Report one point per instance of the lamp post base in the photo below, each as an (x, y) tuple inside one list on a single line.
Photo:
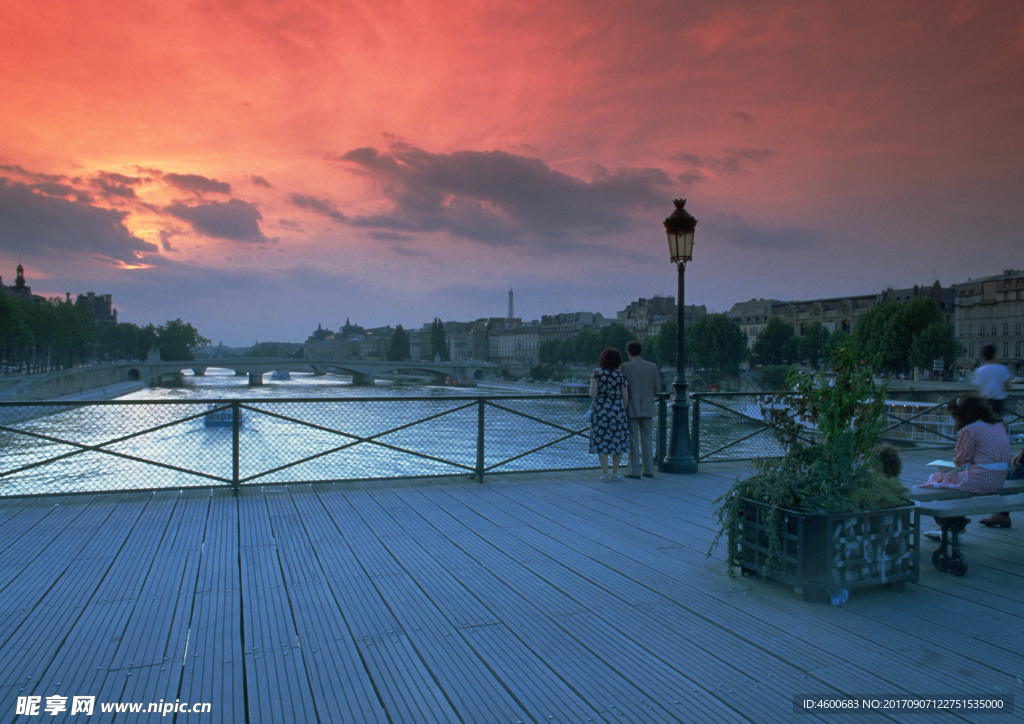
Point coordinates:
[(680, 457)]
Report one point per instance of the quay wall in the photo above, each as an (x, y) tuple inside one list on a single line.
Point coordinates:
[(95, 382)]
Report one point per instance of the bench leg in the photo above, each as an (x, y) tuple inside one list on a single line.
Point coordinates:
[(948, 556)]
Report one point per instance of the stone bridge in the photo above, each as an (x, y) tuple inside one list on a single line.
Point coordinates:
[(364, 372)]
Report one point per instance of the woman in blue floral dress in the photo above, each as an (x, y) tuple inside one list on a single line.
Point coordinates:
[(609, 428)]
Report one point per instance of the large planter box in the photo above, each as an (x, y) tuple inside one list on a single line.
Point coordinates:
[(826, 555)]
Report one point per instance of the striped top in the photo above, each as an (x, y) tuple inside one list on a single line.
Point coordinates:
[(979, 442)]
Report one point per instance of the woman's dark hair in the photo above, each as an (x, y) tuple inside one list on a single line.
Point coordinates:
[(610, 359), (970, 408), (888, 461)]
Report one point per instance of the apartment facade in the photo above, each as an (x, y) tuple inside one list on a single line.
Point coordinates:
[(990, 310)]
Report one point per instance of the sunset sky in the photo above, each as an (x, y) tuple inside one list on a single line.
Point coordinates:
[(259, 167)]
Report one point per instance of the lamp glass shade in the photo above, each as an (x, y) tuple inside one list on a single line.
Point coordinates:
[(680, 228), (680, 246)]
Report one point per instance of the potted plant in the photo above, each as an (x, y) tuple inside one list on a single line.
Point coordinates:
[(825, 517)]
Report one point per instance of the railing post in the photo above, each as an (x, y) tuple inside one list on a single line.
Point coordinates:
[(236, 426), (659, 454), (696, 428), (480, 441)]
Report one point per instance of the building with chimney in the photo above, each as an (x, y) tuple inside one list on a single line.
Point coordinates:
[(990, 310)]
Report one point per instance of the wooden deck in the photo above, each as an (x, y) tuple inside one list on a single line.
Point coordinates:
[(542, 597)]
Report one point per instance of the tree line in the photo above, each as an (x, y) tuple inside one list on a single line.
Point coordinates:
[(57, 335), (893, 337)]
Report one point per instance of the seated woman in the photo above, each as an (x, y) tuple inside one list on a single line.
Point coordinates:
[(982, 449)]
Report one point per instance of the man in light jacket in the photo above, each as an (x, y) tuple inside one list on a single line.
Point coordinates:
[(644, 386)]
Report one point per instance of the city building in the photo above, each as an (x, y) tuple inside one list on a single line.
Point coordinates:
[(990, 310), (349, 342), (568, 324), (20, 290), (100, 308), (468, 340), (839, 313), (644, 317), (515, 345), (752, 317), (945, 297)]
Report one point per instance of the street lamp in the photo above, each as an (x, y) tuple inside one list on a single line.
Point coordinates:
[(680, 228)]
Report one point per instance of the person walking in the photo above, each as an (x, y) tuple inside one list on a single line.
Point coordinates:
[(644, 381), (609, 429), (992, 380)]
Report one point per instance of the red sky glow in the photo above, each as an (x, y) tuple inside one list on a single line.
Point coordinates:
[(259, 167)]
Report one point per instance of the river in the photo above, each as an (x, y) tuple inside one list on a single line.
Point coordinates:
[(308, 428)]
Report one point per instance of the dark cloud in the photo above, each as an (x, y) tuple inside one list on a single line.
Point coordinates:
[(260, 181), (498, 198), (111, 188), (691, 177), (405, 251), (235, 220), (318, 206), (18, 170), (738, 232), (119, 178), (196, 184), (55, 226), (735, 161), (61, 191)]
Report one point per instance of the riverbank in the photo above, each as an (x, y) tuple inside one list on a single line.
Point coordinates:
[(93, 382)]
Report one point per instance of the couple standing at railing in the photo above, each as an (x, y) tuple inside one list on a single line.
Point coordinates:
[(623, 411)]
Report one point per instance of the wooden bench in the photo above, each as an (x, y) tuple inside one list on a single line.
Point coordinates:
[(950, 508)]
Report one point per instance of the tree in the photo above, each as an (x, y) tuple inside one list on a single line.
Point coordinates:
[(870, 328), (550, 352), (16, 338), (665, 344), (776, 344), (887, 332), (716, 343), (438, 341), (399, 347), (936, 341), (814, 344), (835, 340), (586, 347), (178, 340), (617, 336), (904, 326)]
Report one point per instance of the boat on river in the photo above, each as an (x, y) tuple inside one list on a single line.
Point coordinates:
[(280, 375), (220, 416)]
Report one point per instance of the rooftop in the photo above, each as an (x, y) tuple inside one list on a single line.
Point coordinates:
[(533, 597)]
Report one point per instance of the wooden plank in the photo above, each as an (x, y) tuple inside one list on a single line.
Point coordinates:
[(47, 601), (277, 686), (212, 667), (102, 620), (342, 688), (156, 635), (529, 597)]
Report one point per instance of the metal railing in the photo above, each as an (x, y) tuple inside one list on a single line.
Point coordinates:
[(58, 448), (731, 425)]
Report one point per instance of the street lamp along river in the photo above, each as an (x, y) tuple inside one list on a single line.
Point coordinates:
[(680, 228)]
